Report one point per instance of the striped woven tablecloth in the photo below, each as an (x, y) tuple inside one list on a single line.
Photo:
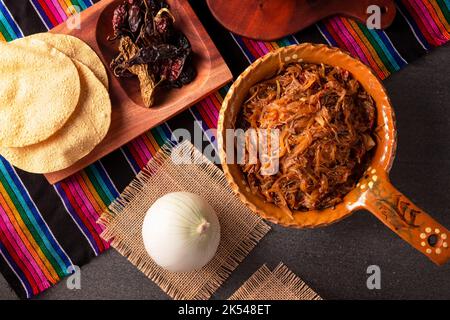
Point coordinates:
[(45, 230)]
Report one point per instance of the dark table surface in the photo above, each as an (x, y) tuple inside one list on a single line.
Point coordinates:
[(334, 260)]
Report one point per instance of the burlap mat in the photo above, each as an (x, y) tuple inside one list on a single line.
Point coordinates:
[(241, 230), (280, 284)]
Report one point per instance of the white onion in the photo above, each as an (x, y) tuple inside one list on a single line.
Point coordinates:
[(181, 232)]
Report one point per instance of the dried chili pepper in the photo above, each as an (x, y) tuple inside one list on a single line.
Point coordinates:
[(147, 82), (119, 17), (150, 47), (134, 17), (163, 21)]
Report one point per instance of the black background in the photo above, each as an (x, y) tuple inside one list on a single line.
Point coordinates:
[(334, 260)]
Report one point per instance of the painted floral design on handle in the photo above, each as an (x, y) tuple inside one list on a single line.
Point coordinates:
[(402, 216)]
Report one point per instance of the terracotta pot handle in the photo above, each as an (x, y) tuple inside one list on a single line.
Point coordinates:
[(407, 220)]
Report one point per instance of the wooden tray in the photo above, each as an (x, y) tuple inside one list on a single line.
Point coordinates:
[(273, 19), (129, 118)]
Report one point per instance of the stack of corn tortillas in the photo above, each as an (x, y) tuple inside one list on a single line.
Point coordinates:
[(54, 102)]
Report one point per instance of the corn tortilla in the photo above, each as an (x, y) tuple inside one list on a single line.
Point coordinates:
[(86, 128), (75, 49), (39, 91)]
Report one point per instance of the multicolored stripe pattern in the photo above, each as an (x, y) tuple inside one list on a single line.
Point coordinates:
[(429, 20), (85, 196), (54, 12), (44, 229), (373, 47), (27, 243), (9, 29), (139, 151)]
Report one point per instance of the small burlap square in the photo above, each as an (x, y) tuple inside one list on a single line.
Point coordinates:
[(280, 284), (241, 230)]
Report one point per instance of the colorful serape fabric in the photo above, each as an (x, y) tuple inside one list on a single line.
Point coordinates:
[(45, 230)]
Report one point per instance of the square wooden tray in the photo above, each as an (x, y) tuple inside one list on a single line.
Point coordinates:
[(129, 118)]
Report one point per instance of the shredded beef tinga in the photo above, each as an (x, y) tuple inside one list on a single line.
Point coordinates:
[(326, 121)]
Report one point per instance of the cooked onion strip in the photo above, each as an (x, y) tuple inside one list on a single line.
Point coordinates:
[(325, 118)]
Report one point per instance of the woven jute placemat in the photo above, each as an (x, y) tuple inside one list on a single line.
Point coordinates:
[(183, 168), (279, 284)]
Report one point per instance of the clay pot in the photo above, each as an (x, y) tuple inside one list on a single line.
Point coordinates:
[(374, 192)]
